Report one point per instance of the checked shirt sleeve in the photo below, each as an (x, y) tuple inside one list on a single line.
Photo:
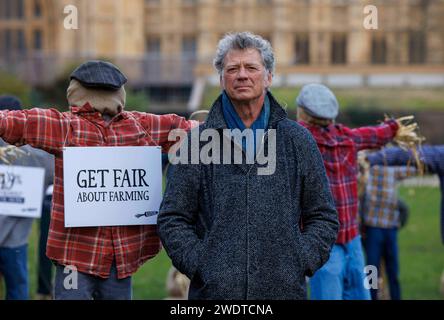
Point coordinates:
[(374, 136), (160, 126), (393, 156), (41, 128)]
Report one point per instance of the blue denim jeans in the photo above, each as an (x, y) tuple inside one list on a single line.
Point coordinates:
[(14, 267), (45, 265), (89, 287), (342, 276), (383, 243)]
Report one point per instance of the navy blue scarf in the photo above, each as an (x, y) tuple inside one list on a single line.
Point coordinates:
[(235, 122)]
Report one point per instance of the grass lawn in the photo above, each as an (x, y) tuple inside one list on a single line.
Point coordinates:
[(421, 250), (421, 253)]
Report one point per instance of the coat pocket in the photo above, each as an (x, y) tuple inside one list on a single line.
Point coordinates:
[(302, 254)]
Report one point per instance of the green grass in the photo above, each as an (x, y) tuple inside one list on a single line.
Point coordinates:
[(149, 281), (405, 99), (421, 253), (421, 250)]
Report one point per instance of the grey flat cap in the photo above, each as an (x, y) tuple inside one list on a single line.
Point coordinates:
[(318, 101), (99, 75)]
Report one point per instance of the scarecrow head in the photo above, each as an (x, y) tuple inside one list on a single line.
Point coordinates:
[(99, 83)]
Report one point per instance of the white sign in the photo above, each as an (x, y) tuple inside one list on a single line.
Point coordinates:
[(21, 191), (111, 186)]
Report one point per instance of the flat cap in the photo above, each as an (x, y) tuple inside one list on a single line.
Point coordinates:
[(99, 75), (8, 102), (318, 101)]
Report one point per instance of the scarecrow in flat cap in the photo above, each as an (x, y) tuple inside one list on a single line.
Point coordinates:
[(342, 277), (105, 257)]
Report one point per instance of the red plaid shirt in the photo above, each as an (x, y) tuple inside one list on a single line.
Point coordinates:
[(92, 250), (339, 146)]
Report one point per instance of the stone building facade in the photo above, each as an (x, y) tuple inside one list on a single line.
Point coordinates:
[(171, 43)]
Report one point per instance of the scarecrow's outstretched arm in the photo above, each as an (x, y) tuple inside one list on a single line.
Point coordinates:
[(41, 128)]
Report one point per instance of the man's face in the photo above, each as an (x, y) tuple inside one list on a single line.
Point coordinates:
[(244, 76)]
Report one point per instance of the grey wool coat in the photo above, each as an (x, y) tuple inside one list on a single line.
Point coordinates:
[(237, 234)]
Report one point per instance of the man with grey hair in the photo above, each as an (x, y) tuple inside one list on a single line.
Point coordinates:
[(235, 231)]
